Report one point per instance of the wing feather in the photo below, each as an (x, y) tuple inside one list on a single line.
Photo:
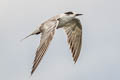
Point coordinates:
[(73, 30), (46, 38)]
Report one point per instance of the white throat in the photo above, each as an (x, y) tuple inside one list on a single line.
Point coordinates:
[(63, 20)]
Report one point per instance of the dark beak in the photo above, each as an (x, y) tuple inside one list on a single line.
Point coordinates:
[(79, 14)]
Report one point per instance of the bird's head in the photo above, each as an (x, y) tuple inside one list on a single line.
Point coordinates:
[(71, 14), (66, 17)]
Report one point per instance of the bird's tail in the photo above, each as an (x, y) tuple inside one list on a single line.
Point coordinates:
[(37, 31)]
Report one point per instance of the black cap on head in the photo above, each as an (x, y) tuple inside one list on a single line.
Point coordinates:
[(69, 13)]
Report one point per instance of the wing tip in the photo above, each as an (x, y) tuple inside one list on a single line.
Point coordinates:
[(75, 61), (32, 71)]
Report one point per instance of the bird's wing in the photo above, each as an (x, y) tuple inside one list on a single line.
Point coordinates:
[(46, 38), (73, 30)]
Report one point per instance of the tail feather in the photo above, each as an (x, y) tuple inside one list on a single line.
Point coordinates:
[(37, 31), (26, 37)]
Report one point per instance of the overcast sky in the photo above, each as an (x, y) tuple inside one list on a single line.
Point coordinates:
[(100, 55)]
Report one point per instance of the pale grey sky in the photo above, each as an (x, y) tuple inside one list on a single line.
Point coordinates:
[(100, 55)]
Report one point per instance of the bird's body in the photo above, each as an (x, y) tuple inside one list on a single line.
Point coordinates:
[(72, 27)]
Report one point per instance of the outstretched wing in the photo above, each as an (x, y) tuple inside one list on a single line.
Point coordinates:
[(73, 30), (46, 37)]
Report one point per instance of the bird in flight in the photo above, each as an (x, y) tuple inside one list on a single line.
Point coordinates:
[(72, 27)]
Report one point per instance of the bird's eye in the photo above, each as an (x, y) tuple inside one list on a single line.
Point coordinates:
[(58, 19), (69, 13)]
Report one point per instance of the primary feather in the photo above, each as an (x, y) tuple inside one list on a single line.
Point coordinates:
[(73, 30)]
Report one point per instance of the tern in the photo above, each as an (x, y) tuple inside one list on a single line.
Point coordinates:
[(72, 27)]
